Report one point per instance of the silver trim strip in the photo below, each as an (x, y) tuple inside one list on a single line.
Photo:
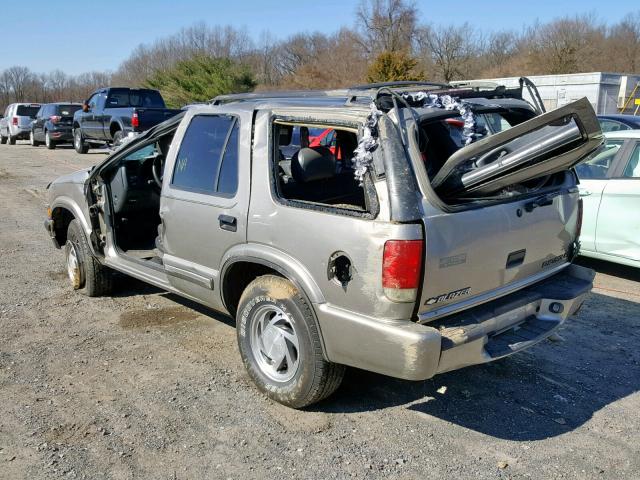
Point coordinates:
[(488, 296)]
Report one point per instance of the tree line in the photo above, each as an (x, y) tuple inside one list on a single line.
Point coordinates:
[(387, 41)]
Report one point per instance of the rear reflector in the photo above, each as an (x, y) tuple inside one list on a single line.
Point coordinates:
[(401, 268)]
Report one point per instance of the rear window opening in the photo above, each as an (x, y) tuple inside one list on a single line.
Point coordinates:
[(67, 110), (439, 139), (312, 169), (458, 180), (27, 110), (134, 98)]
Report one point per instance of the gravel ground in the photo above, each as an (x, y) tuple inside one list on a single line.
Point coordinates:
[(146, 385)]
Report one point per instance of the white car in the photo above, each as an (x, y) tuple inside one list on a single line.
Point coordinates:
[(610, 190)]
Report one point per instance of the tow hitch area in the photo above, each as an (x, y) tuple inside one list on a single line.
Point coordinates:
[(514, 322)]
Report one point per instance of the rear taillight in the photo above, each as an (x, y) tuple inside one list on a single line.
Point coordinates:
[(14, 120), (579, 219), (55, 118), (135, 121), (401, 269)]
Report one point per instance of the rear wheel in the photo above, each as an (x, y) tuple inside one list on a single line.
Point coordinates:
[(78, 141), (280, 345), (118, 136), (51, 145), (12, 140), (85, 272)]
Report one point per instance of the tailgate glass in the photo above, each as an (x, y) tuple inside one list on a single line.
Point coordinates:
[(505, 157)]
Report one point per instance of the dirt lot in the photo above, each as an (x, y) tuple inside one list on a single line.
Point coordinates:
[(146, 385)]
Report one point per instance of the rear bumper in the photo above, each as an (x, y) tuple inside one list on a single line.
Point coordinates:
[(20, 133), (408, 350), (61, 134)]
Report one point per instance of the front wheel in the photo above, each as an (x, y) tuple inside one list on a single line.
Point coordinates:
[(85, 272), (280, 344), (32, 139), (3, 139), (50, 144), (78, 142)]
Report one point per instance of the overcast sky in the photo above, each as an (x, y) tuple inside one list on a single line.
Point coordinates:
[(82, 35)]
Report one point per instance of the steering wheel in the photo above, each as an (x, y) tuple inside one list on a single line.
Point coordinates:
[(157, 170)]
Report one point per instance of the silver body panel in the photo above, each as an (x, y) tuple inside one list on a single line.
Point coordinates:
[(22, 129), (359, 325)]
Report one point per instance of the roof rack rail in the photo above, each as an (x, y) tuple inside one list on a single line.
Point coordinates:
[(267, 95), (417, 83), (369, 91), (476, 84)]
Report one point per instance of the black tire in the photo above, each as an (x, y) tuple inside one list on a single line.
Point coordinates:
[(78, 141), (90, 277), (118, 137), (314, 378), (51, 144), (12, 140), (32, 139), (3, 139)]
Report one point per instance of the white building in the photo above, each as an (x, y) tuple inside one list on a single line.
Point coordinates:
[(607, 92)]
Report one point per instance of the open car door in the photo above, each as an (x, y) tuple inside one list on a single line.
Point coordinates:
[(542, 146)]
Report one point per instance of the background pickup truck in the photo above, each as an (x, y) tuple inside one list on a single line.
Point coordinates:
[(111, 113)]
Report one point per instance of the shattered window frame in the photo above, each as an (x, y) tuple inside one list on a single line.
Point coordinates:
[(370, 194)]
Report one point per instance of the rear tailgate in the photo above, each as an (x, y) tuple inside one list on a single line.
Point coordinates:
[(150, 117), (476, 255)]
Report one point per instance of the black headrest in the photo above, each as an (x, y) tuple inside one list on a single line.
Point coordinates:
[(285, 133), (311, 164)]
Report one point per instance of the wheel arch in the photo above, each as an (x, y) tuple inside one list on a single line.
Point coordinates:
[(240, 270), (115, 125), (63, 210)]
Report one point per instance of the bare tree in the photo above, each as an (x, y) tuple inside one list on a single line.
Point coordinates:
[(386, 25), (19, 78), (566, 45), (451, 49), (623, 49)]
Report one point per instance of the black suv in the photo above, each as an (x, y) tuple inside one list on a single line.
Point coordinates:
[(53, 124)]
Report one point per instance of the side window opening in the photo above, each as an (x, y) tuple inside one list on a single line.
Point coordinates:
[(318, 170), (632, 170), (597, 165)]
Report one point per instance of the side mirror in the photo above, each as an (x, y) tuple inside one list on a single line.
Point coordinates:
[(85, 107)]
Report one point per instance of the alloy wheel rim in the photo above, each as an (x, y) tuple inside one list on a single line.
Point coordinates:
[(76, 137), (274, 343), (32, 139), (73, 265), (47, 140)]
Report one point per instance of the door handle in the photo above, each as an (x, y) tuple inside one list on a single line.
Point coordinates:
[(584, 193), (227, 222)]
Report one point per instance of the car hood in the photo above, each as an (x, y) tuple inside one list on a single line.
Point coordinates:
[(78, 177)]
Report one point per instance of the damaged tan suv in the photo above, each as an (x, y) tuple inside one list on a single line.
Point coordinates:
[(433, 229)]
